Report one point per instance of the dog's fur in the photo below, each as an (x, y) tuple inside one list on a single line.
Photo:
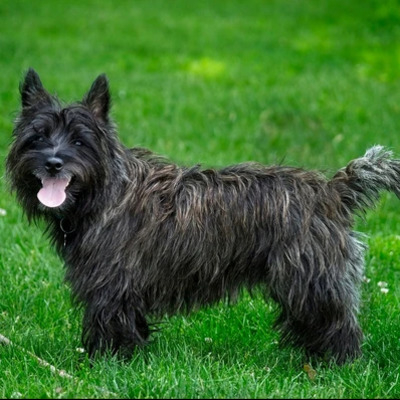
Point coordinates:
[(141, 235)]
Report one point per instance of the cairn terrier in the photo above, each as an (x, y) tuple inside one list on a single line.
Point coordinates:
[(142, 236)]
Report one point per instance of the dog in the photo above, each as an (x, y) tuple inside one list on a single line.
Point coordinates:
[(141, 236)]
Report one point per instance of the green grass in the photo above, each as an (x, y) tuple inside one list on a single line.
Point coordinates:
[(309, 83)]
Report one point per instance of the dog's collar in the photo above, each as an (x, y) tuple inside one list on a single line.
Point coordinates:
[(67, 227)]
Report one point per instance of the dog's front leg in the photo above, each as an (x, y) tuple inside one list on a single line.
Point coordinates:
[(114, 322)]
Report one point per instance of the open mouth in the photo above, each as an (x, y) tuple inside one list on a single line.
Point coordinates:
[(52, 194)]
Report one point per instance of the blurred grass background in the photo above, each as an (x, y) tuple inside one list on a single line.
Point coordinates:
[(308, 83)]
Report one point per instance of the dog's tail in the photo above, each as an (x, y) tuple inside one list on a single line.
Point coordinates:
[(360, 183)]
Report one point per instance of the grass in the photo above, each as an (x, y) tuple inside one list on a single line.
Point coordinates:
[(309, 83)]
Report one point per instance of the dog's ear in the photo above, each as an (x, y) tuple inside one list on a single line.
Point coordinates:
[(98, 98), (32, 91)]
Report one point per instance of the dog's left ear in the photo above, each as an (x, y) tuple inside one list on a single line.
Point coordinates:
[(98, 98)]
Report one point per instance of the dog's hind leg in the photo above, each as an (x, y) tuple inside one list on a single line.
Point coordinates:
[(326, 327), (320, 307)]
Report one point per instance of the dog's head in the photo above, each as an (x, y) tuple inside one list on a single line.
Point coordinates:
[(60, 155)]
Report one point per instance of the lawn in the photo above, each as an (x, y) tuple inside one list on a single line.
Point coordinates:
[(306, 83)]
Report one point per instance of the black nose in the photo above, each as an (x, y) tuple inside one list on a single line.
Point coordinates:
[(54, 165)]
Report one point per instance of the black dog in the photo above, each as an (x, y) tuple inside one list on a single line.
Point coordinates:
[(140, 235)]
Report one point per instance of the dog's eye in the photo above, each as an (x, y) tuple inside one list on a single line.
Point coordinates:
[(37, 138), (78, 143)]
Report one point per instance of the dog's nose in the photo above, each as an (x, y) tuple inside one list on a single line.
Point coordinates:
[(54, 165)]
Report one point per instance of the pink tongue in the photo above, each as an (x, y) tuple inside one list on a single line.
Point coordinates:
[(52, 194)]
